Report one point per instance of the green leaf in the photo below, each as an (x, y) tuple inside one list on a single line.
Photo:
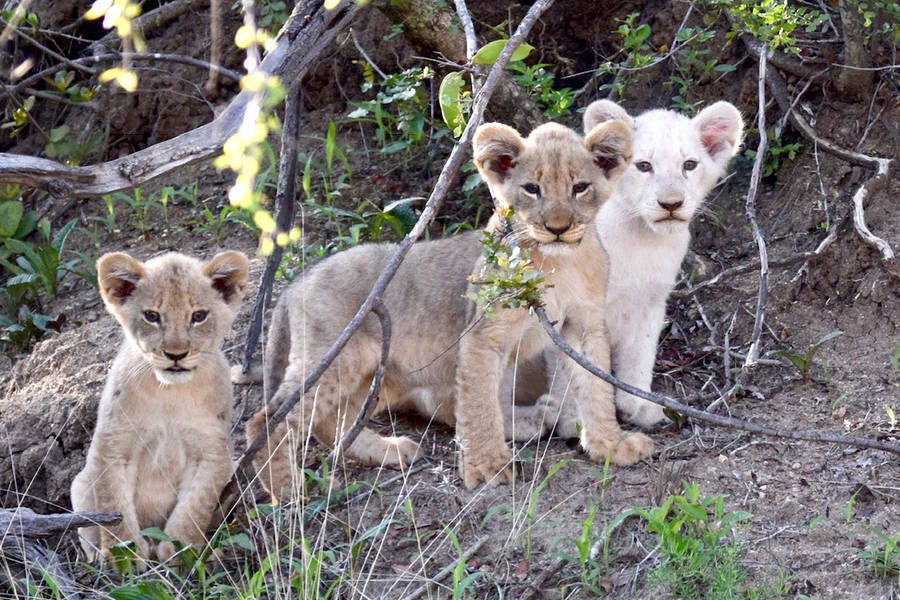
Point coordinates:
[(329, 145), (155, 533), (450, 99), (487, 54), (57, 134), (239, 540), (10, 216), (59, 239)]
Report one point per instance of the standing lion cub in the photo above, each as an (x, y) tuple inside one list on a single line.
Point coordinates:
[(161, 452), (446, 359)]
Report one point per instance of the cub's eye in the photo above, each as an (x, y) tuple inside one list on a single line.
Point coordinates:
[(198, 316), (151, 316), (689, 165), (643, 166), (532, 188), (579, 188)]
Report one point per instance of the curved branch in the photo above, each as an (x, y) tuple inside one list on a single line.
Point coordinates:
[(308, 31), (700, 415)]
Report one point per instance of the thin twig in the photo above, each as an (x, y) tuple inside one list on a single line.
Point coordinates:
[(760, 316), (465, 556), (116, 56), (465, 18), (535, 587), (366, 56), (700, 415), (741, 269), (284, 220), (372, 396), (448, 173)]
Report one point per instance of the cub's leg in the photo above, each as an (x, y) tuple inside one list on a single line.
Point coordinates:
[(198, 495), (523, 416), (634, 357), (559, 405), (102, 487), (479, 419), (601, 435), (327, 410)]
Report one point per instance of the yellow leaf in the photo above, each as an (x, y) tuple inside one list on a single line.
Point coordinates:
[(330, 4), (294, 234), (282, 239)]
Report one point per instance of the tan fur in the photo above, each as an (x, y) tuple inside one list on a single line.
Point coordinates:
[(445, 359), (161, 452)]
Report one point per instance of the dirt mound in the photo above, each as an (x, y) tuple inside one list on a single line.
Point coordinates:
[(49, 409)]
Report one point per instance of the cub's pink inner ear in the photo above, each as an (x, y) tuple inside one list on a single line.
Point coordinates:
[(503, 164), (121, 289), (715, 138)]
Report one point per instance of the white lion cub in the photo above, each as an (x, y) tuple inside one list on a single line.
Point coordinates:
[(161, 452), (645, 228)]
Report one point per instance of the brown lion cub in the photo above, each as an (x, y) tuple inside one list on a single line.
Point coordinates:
[(445, 359), (161, 451)]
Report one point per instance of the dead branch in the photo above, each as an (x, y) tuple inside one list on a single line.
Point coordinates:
[(24, 522), (700, 415), (374, 388), (23, 84), (436, 199), (751, 266), (859, 216), (465, 556), (284, 200), (24, 561), (750, 208), (309, 30)]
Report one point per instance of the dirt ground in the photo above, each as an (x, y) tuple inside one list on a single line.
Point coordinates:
[(815, 506)]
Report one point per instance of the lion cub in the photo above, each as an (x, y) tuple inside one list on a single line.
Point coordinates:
[(161, 451), (446, 359)]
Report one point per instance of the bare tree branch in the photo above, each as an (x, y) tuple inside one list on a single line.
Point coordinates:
[(284, 220), (24, 522), (753, 352), (305, 35), (700, 415)]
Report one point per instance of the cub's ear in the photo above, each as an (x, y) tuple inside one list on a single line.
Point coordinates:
[(601, 111), (610, 143), (496, 147), (720, 127), (117, 276), (229, 272)]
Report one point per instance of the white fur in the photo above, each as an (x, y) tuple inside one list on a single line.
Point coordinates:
[(646, 243)]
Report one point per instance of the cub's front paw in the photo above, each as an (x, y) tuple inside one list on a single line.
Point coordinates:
[(626, 450), (492, 466), (140, 548), (401, 451)]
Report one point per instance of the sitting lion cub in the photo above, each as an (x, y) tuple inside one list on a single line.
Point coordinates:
[(161, 452), (554, 181), (645, 230)]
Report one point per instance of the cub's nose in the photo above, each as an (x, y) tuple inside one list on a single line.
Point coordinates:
[(175, 357), (671, 206), (557, 230)]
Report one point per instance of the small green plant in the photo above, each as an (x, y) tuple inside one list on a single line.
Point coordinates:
[(398, 111), (461, 580), (778, 152), (699, 558), (538, 82), (141, 208), (63, 144), (507, 277), (771, 21), (804, 362), (882, 554)]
